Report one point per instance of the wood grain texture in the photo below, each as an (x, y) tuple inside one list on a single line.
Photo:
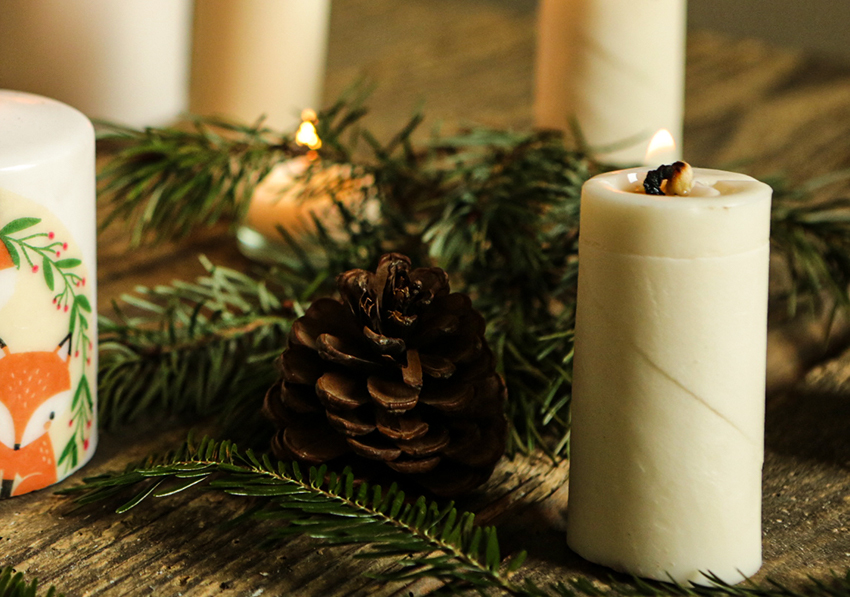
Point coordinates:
[(472, 61)]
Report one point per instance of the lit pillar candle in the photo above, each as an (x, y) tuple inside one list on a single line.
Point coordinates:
[(669, 377), (617, 67), (48, 324), (125, 61), (259, 57), (299, 191)]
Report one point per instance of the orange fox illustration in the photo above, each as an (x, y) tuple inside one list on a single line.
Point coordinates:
[(34, 388)]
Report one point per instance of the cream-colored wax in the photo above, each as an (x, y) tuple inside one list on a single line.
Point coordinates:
[(669, 377), (125, 61), (292, 198), (617, 67), (259, 57)]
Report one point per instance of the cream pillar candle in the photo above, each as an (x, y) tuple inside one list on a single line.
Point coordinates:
[(259, 57), (669, 377), (48, 324), (120, 60), (617, 67), (289, 198)]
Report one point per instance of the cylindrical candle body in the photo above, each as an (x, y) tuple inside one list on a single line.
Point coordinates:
[(669, 378), (124, 61), (48, 323), (617, 67), (259, 57)]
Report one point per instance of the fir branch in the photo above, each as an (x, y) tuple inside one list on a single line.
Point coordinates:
[(193, 348), (439, 541), (166, 182), (509, 227), (13, 584), (813, 239), (436, 540)]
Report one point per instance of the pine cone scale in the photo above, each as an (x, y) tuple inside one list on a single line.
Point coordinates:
[(400, 428), (352, 422), (336, 390), (383, 451), (411, 373), (336, 350), (394, 396)]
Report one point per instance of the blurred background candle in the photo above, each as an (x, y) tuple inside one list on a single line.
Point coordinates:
[(259, 57), (125, 61), (669, 377), (617, 67), (299, 191), (48, 327)]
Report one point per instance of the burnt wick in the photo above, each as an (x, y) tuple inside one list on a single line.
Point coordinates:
[(679, 177)]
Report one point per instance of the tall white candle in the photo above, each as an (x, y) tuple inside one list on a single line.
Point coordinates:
[(259, 57), (669, 377), (125, 61), (616, 66), (48, 324)]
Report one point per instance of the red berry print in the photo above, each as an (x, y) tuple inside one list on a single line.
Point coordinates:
[(71, 423), (50, 235), (66, 308), (35, 269), (58, 253), (76, 354), (86, 444), (64, 246), (88, 425)]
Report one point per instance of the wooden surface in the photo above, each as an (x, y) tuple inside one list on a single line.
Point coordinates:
[(472, 61)]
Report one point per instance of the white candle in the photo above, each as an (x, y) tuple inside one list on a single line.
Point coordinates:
[(259, 57), (669, 377), (290, 199), (125, 61), (617, 67), (48, 324)]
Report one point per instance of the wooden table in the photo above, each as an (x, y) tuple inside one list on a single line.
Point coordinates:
[(473, 61)]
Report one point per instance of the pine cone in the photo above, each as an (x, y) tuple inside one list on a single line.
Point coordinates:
[(398, 372)]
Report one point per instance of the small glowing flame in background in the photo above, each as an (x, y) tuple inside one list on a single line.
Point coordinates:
[(307, 134), (660, 144)]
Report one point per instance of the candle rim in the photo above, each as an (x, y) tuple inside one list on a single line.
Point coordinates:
[(37, 129), (736, 189)]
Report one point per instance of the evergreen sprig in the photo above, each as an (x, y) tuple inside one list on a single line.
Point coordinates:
[(813, 239), (428, 539), (440, 541), (194, 349), (169, 181), (14, 584)]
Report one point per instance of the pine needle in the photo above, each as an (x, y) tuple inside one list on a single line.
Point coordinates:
[(14, 584)]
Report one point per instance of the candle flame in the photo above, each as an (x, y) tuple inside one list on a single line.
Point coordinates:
[(307, 134), (661, 142)]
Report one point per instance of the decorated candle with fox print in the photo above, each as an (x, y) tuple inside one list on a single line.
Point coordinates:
[(48, 323)]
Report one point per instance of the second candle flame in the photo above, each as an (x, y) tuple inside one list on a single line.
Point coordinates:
[(662, 142), (307, 134)]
